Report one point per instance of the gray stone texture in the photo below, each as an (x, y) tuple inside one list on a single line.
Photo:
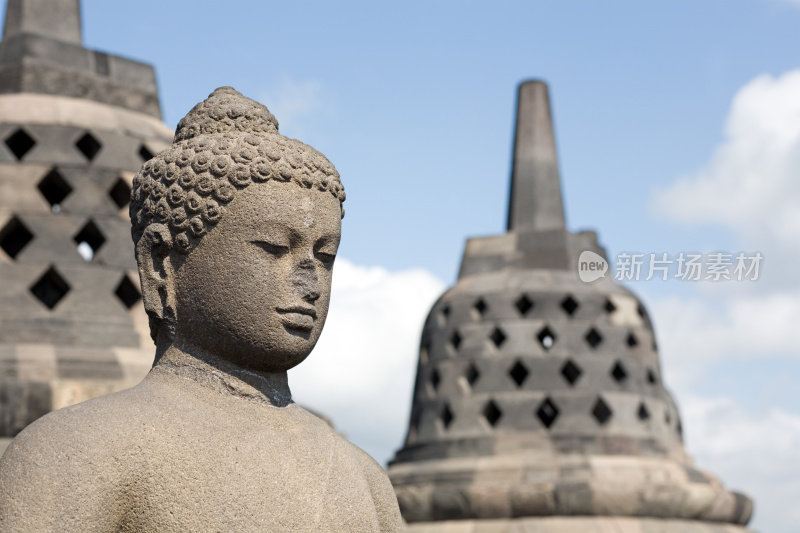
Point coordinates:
[(236, 229), (535, 186), (72, 326), (59, 19), (540, 395), (574, 525), (41, 52)]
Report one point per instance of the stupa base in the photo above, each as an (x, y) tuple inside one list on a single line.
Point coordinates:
[(576, 524)]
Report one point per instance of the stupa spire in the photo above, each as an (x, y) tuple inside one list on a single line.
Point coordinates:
[(535, 202), (56, 19)]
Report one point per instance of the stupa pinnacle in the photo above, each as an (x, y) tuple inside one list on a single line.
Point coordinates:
[(74, 126), (539, 403), (535, 202)]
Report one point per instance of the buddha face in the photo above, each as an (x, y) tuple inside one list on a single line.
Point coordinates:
[(255, 290)]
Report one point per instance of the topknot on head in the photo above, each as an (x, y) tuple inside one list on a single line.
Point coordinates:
[(223, 145), (226, 110)]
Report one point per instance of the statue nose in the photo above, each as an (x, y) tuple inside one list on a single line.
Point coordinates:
[(306, 281)]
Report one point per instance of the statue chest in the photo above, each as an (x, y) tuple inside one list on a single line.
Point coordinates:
[(282, 477)]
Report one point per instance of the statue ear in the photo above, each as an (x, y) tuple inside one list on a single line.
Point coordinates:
[(157, 274)]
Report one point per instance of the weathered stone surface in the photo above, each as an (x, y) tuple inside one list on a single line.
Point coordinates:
[(535, 185), (575, 524), (540, 395), (60, 19), (236, 230), (41, 52)]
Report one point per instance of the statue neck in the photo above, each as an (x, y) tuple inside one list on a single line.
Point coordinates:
[(222, 376)]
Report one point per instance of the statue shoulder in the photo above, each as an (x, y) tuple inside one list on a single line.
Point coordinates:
[(96, 426), (383, 496), (64, 469)]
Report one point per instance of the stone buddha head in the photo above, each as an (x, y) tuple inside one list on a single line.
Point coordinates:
[(236, 229)]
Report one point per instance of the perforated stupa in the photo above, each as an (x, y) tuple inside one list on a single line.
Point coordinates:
[(74, 126), (539, 403)]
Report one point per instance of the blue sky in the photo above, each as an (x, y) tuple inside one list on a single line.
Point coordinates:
[(419, 99), (413, 102)]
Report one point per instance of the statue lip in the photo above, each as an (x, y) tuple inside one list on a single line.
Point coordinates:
[(300, 310), (298, 317)]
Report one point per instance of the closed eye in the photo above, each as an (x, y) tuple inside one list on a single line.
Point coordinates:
[(326, 258), (277, 250)]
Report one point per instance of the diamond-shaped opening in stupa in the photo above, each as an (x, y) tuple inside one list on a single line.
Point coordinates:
[(50, 288), (618, 372), (88, 145), (546, 338), (55, 189), (631, 340), (523, 304), (601, 411), (120, 193), (127, 292), (593, 338), (642, 413), (497, 337), (14, 237), (547, 412), (472, 374), (436, 378), (89, 240), (455, 340), (571, 372), (569, 305), (145, 153), (518, 373), (20, 143), (481, 307), (492, 413), (446, 416)]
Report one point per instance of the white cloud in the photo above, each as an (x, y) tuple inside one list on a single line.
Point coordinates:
[(291, 101), (750, 183), (759, 453), (698, 332), (750, 186), (361, 373)]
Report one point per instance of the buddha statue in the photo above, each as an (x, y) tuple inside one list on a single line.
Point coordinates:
[(236, 229)]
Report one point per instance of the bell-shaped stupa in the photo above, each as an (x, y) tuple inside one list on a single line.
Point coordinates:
[(539, 403), (75, 124)]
